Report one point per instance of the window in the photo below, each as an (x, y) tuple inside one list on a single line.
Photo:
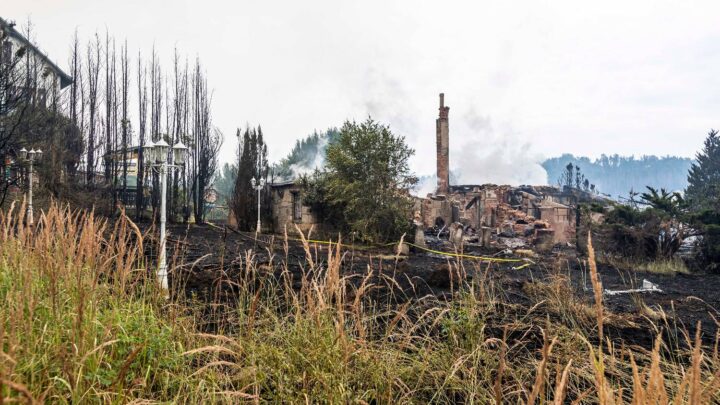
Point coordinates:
[(297, 206), (42, 97), (7, 52), (562, 215)]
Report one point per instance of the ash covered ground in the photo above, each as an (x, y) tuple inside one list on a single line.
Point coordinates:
[(208, 259)]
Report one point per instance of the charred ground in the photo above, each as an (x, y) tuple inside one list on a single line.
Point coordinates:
[(210, 260)]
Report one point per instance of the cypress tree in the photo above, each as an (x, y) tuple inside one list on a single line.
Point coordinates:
[(702, 196), (704, 177), (252, 163)]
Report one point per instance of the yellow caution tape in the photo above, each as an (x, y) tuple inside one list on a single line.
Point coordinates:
[(460, 255), (464, 256), (438, 252)]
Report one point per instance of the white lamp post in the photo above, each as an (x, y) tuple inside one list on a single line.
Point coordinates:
[(258, 186), (30, 157), (158, 152)]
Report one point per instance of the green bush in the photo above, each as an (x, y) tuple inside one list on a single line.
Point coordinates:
[(364, 187)]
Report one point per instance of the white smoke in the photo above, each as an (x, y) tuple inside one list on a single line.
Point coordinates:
[(480, 154), (425, 185), (311, 161)]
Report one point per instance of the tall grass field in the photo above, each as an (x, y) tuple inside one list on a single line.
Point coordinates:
[(83, 320)]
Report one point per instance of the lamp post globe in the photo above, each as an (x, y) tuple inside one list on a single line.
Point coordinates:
[(149, 151), (179, 153), (161, 151)]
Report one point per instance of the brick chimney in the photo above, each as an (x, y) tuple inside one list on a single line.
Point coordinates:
[(443, 148)]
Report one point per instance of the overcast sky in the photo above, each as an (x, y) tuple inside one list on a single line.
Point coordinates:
[(524, 79)]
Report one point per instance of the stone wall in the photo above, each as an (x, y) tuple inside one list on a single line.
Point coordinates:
[(283, 211), (561, 219)]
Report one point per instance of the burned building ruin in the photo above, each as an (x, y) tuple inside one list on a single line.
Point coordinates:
[(539, 216)]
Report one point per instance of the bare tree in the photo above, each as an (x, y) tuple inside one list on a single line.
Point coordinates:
[(76, 102), (125, 122), (156, 97), (177, 127), (75, 63), (108, 106), (114, 131), (206, 143), (14, 106), (142, 120), (93, 69)]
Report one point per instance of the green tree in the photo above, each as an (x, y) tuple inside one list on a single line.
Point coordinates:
[(252, 163), (702, 196), (224, 183), (663, 200), (651, 233), (703, 188), (366, 182)]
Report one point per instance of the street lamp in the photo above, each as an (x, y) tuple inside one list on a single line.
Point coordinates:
[(258, 186), (30, 157), (158, 152)]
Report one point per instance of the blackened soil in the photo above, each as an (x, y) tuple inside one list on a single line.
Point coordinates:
[(211, 260), (686, 302)]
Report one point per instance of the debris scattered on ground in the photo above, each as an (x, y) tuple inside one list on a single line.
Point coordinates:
[(513, 243), (647, 286)]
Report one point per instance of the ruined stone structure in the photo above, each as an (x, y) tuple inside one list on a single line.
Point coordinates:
[(288, 209), (542, 215), (500, 212), (442, 130), (490, 215)]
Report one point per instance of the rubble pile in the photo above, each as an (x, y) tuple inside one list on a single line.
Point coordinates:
[(499, 216)]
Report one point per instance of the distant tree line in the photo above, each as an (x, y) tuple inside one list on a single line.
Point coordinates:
[(653, 225), (617, 175)]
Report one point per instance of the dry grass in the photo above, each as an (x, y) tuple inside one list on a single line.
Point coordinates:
[(667, 267), (83, 321)]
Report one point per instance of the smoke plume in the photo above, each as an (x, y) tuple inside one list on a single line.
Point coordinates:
[(481, 154)]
